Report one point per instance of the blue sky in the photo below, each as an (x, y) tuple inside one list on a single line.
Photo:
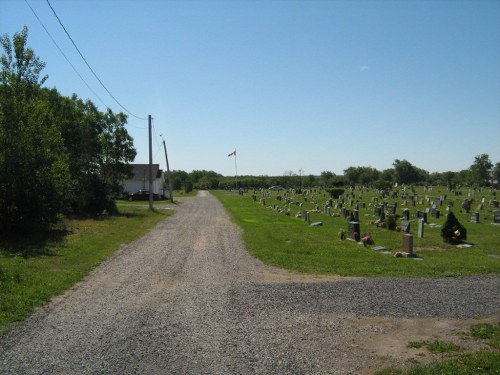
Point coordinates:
[(291, 85)]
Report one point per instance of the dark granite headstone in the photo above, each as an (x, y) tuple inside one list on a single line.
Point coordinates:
[(353, 230)]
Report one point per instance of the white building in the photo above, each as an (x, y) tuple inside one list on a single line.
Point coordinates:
[(140, 179)]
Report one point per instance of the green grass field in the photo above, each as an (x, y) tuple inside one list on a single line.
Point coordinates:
[(33, 270), (288, 242)]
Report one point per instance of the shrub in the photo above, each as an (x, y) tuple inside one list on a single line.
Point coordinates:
[(453, 232)]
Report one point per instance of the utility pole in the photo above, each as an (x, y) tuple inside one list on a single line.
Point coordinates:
[(150, 165), (170, 185)]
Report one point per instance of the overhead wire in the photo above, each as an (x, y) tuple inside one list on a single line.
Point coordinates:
[(64, 55), (88, 65)]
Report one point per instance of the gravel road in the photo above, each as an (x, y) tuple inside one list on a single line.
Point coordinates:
[(187, 299)]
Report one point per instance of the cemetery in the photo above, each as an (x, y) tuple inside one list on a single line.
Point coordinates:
[(407, 231)]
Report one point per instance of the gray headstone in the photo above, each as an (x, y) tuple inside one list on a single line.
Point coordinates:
[(405, 226), (474, 218), (421, 228), (316, 224), (408, 243)]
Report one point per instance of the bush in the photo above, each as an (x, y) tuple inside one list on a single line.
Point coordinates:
[(453, 232)]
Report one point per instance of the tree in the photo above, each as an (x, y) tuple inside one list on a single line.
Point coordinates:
[(496, 173), (407, 173), (34, 169), (480, 170)]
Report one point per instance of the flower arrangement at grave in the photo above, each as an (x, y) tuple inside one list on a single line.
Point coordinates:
[(453, 232), (367, 240)]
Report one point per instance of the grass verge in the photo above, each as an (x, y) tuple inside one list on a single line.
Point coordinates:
[(33, 270), (457, 360)]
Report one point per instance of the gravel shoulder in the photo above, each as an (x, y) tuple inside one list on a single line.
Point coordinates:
[(188, 299)]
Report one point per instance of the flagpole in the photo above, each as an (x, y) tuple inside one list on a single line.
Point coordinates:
[(235, 170)]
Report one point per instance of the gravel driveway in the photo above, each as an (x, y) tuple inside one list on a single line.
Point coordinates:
[(187, 299)]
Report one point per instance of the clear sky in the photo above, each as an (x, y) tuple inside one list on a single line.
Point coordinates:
[(291, 85)]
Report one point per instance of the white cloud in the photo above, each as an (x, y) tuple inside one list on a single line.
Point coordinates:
[(364, 67)]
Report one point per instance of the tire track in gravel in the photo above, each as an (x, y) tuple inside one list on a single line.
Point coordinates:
[(187, 299)]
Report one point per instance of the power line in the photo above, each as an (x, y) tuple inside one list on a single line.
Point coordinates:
[(65, 57), (88, 65)]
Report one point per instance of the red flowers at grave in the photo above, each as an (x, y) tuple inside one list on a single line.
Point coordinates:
[(367, 240)]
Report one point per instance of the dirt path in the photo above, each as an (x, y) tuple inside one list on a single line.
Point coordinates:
[(187, 299)]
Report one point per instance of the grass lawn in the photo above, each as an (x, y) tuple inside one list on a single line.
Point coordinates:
[(288, 242), (33, 270)]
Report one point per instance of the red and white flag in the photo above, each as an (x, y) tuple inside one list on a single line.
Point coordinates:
[(232, 153)]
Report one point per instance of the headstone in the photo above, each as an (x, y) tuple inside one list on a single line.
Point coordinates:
[(328, 211), (405, 215), (353, 230), (356, 215), (421, 228), (474, 218), (391, 209), (408, 244), (436, 214), (479, 207), (422, 215), (496, 217), (405, 226), (308, 217)]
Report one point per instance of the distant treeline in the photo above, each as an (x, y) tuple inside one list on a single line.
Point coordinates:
[(482, 172)]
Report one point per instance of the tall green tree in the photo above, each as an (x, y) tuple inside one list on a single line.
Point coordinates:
[(34, 169), (407, 173), (480, 170), (496, 173)]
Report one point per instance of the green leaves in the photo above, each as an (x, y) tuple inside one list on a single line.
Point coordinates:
[(57, 154)]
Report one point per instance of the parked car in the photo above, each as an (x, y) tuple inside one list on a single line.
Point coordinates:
[(143, 195), (276, 188)]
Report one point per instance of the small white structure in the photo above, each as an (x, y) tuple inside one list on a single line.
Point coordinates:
[(140, 179)]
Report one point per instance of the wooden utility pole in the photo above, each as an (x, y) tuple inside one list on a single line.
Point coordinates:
[(150, 165), (170, 184)]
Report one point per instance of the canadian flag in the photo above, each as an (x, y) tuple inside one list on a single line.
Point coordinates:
[(232, 153)]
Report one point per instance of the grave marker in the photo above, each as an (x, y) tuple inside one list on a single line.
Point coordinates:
[(408, 244), (353, 230), (474, 218), (356, 215), (405, 226), (421, 228)]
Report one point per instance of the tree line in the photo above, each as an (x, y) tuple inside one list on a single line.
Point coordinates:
[(482, 172), (58, 155)]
